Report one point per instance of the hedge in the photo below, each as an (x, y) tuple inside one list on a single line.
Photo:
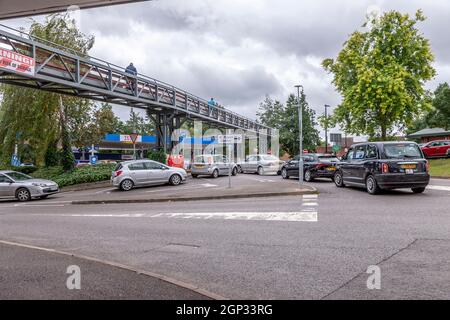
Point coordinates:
[(85, 174)]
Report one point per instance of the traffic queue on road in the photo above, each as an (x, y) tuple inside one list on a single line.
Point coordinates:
[(375, 166)]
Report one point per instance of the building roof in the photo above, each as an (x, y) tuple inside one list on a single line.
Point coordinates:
[(429, 132)]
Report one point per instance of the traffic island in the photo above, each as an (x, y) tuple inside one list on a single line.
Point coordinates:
[(174, 195)]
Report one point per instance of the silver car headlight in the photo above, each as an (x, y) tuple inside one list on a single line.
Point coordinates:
[(39, 184)]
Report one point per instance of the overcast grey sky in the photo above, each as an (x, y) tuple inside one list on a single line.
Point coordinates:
[(239, 51)]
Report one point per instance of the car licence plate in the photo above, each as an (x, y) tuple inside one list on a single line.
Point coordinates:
[(409, 166), (409, 171), (199, 166), (331, 168)]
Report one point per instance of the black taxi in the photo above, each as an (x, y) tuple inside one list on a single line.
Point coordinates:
[(383, 165)]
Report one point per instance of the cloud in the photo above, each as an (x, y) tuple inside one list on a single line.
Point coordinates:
[(239, 51)]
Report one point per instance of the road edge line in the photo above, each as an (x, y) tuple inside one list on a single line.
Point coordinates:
[(167, 279)]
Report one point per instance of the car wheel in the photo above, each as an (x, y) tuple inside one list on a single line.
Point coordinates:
[(23, 195), (371, 185), (175, 180), (126, 185), (239, 169), (194, 176), (418, 190), (308, 176), (215, 174), (260, 171), (284, 174), (339, 180), (235, 171)]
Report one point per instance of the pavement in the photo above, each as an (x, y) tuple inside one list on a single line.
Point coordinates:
[(288, 247), (30, 273)]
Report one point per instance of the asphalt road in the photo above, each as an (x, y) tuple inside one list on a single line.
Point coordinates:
[(265, 248)]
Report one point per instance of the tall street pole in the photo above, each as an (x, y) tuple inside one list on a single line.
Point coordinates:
[(134, 131), (326, 128), (300, 138)]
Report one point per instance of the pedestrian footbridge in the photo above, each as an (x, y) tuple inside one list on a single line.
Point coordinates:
[(35, 63)]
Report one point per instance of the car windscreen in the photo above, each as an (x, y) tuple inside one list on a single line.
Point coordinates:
[(402, 151), (269, 158), (203, 159), (17, 176)]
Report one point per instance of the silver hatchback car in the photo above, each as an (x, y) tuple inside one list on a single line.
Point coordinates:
[(139, 173), (261, 164), (16, 185), (212, 165)]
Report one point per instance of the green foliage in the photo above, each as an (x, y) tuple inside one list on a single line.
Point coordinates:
[(67, 158), (86, 174), (158, 155), (26, 170), (284, 117), (52, 155), (439, 115), (138, 124), (380, 74)]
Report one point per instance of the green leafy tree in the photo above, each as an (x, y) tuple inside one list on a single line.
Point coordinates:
[(439, 115), (104, 121), (285, 118), (381, 73), (137, 123)]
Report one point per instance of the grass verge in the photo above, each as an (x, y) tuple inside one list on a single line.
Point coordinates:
[(440, 168)]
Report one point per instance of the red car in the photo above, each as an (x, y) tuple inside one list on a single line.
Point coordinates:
[(436, 149)]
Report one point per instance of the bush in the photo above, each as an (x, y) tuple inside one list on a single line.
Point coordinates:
[(87, 174), (26, 170), (159, 156)]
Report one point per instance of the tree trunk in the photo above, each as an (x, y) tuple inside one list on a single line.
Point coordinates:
[(383, 132)]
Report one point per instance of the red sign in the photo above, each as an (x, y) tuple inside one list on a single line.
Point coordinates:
[(134, 137), (16, 62)]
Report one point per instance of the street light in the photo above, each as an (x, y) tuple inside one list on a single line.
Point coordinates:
[(326, 128), (300, 132)]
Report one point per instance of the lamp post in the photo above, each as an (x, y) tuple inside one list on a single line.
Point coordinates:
[(300, 133), (326, 128), (134, 131)]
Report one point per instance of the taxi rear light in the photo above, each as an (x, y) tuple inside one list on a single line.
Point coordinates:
[(384, 168)]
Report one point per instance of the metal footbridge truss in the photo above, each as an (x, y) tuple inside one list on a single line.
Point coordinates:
[(62, 70)]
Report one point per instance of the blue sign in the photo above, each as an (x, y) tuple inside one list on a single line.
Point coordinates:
[(93, 159), (15, 161)]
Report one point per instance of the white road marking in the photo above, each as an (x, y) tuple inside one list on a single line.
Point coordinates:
[(302, 216), (199, 186), (311, 204), (105, 190), (310, 196), (439, 188)]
